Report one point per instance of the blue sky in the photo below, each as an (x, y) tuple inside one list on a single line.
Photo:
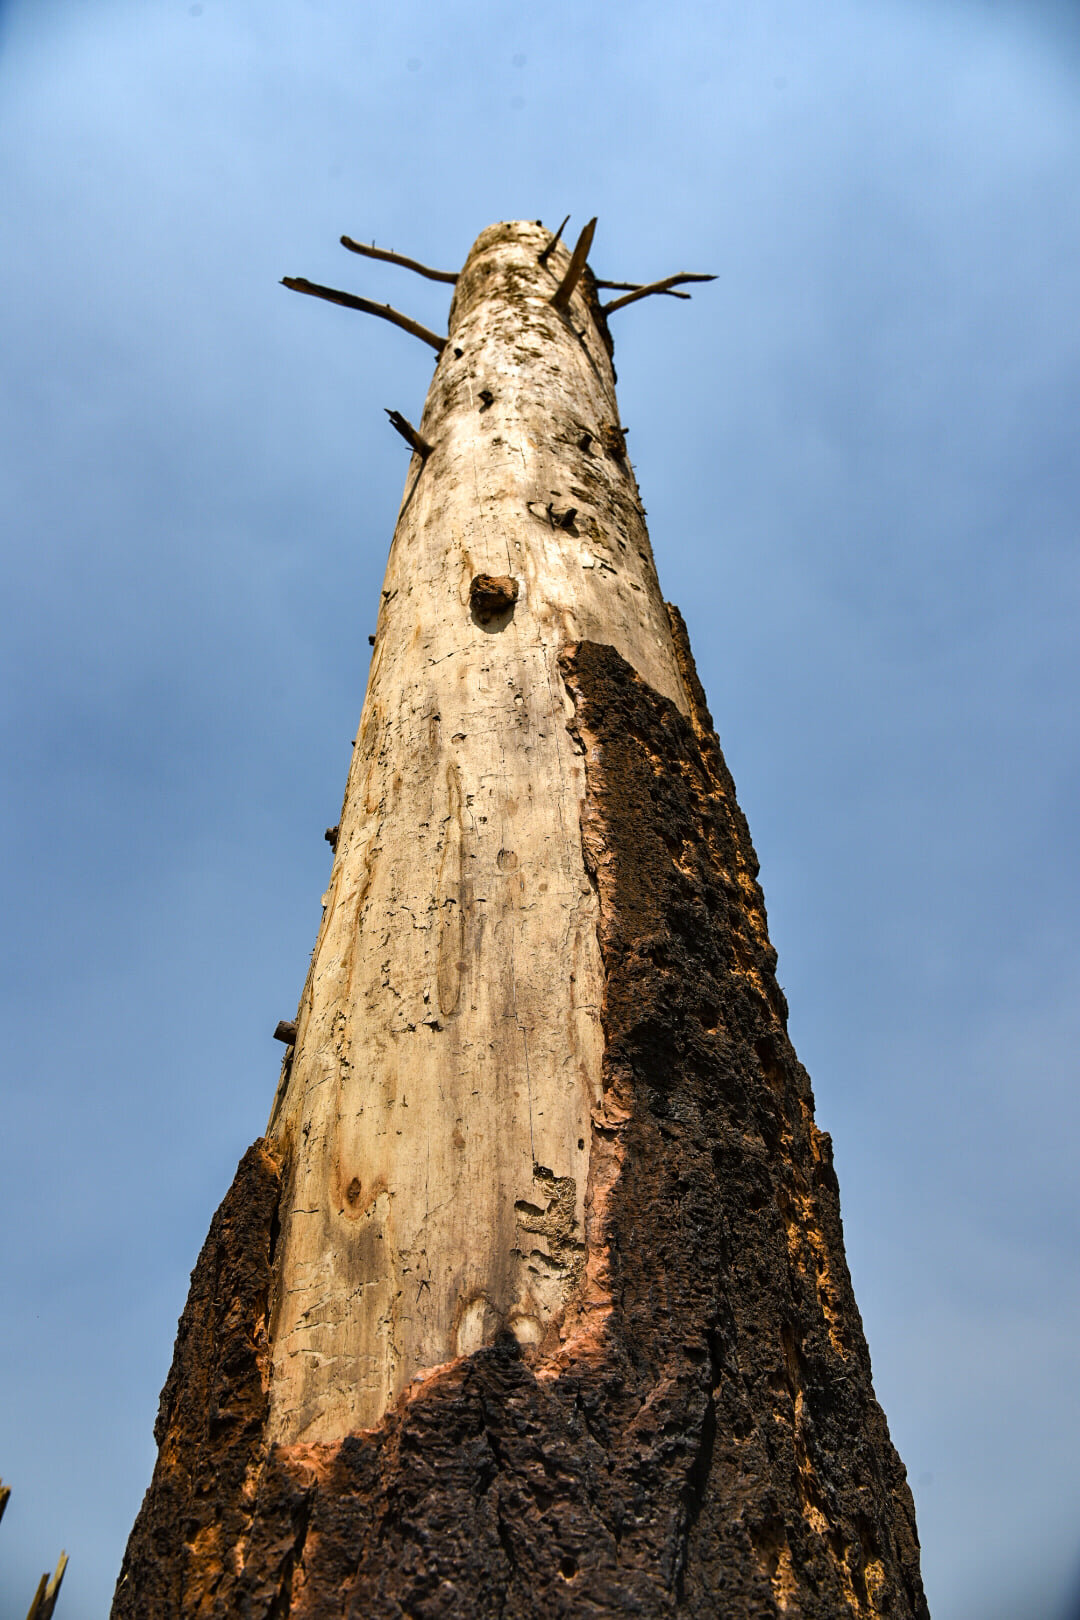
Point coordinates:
[(858, 452)]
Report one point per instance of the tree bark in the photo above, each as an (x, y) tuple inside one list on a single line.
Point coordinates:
[(533, 1300)]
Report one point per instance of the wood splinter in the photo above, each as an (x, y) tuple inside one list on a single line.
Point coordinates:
[(385, 312), (542, 258), (402, 425), (47, 1593), (387, 257), (560, 298)]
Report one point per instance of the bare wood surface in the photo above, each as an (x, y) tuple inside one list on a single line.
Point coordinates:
[(419, 1252), (402, 425), (387, 257), (564, 291), (385, 312), (543, 257), (655, 287)]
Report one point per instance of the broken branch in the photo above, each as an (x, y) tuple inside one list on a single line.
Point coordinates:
[(373, 252), (655, 287), (543, 257), (409, 433), (635, 286), (350, 301), (563, 292)]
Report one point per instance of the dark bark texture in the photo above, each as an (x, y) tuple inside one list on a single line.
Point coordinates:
[(716, 1450), (210, 1419)]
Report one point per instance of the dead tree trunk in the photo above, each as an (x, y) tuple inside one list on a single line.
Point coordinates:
[(533, 1299)]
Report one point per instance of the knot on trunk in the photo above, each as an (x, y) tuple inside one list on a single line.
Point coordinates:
[(613, 439), (491, 596)]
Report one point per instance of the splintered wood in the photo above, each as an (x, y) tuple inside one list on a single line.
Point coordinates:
[(437, 1104)]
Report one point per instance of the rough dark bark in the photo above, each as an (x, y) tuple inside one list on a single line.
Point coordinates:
[(716, 1449), (210, 1420)]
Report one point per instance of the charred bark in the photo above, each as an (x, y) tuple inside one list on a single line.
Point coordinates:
[(188, 1536)]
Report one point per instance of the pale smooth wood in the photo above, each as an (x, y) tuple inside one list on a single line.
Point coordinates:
[(438, 1109)]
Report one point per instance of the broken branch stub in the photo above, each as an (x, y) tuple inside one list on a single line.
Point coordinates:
[(385, 312), (44, 1600), (47, 1593), (544, 255), (402, 425), (564, 291)]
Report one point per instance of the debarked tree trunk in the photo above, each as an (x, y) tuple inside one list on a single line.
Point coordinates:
[(532, 1301)]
